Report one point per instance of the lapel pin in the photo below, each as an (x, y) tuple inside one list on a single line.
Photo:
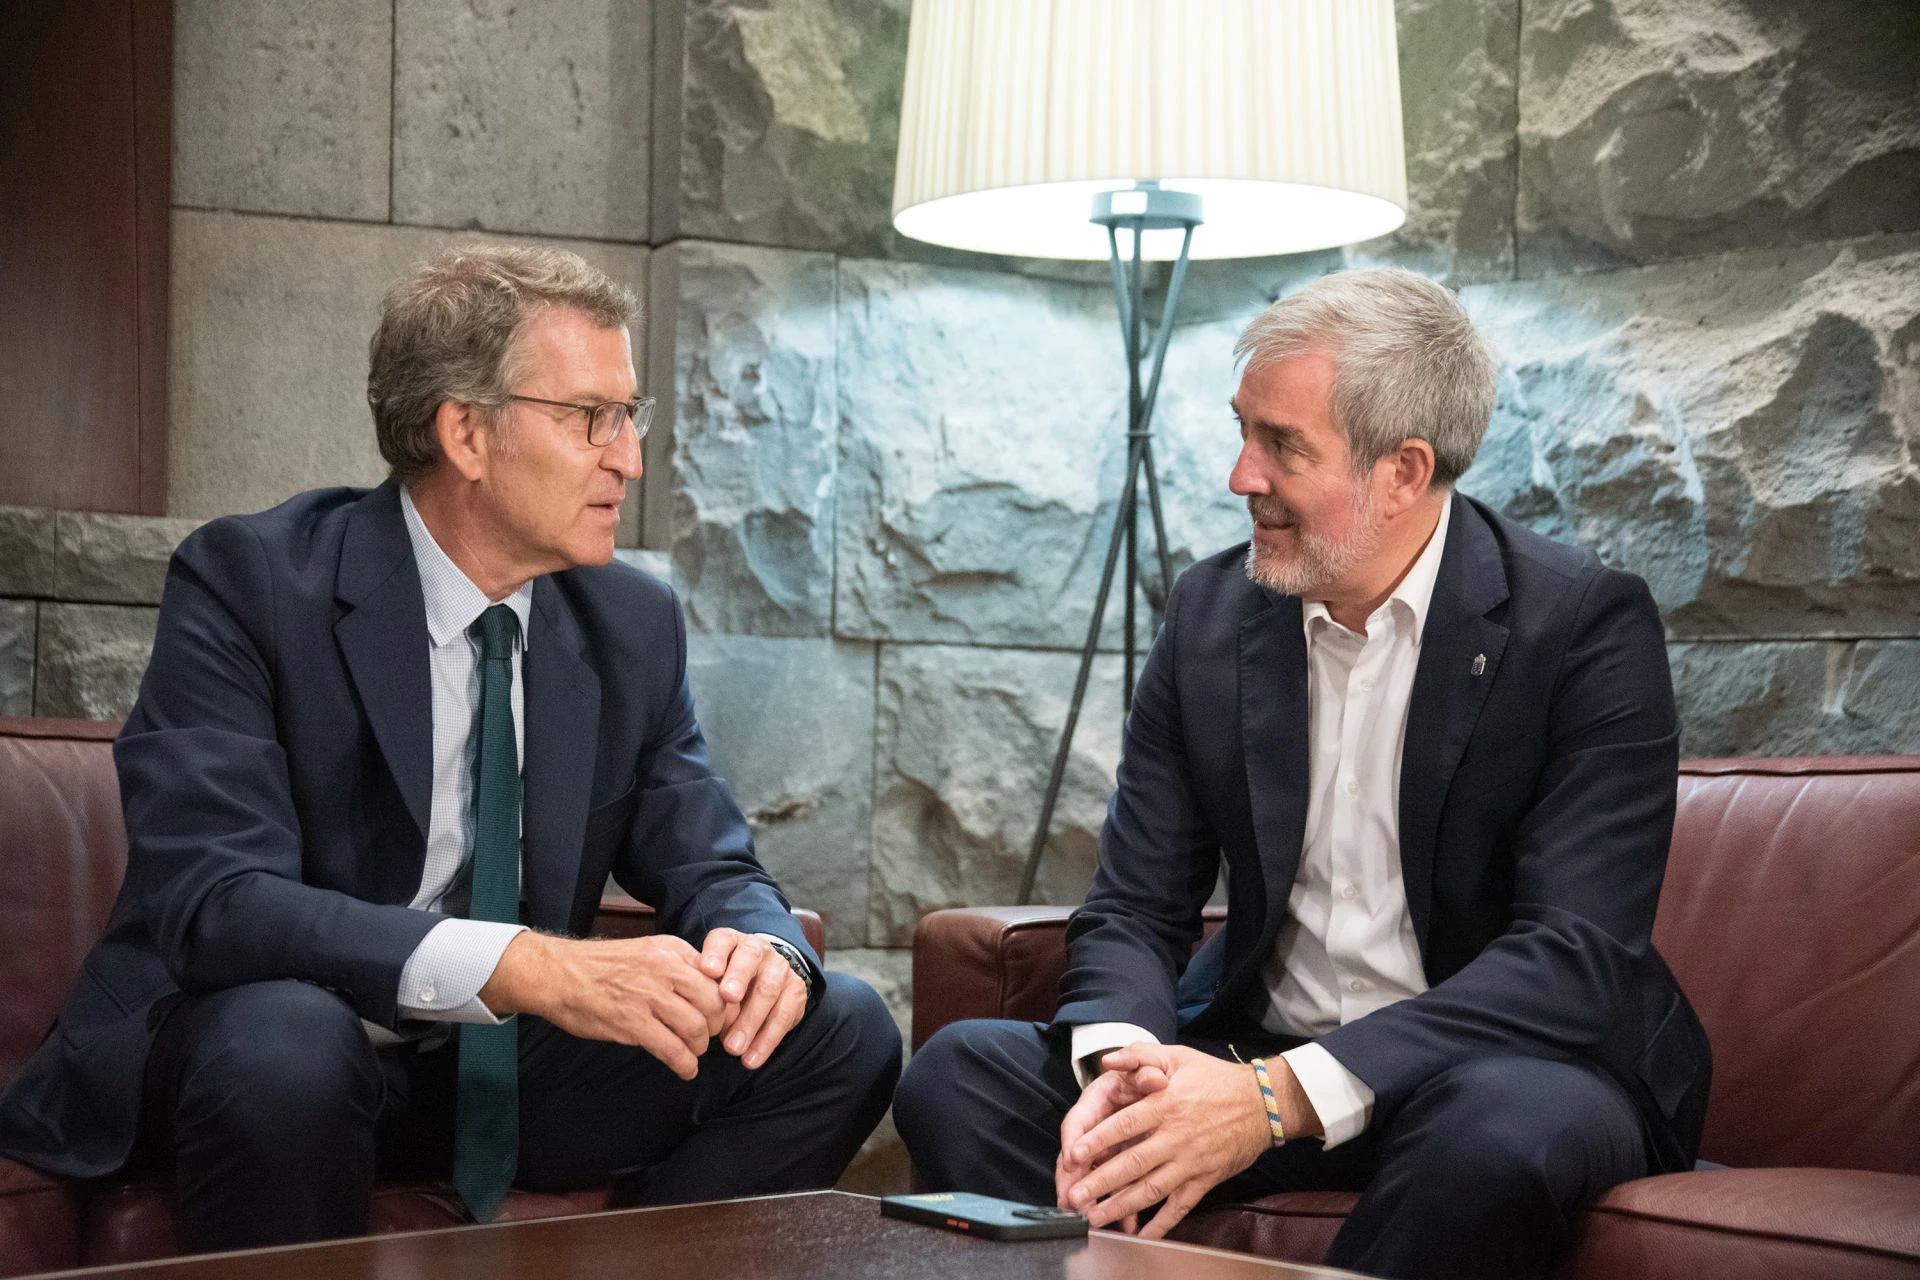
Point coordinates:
[(1479, 664)]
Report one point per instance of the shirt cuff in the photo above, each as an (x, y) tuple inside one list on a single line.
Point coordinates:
[(1341, 1100), (441, 980), (1094, 1038)]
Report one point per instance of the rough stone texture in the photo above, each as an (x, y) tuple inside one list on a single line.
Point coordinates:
[(1740, 430), (16, 657), (1800, 698), (271, 319), (283, 108), (116, 559), (91, 659), (964, 739), (1662, 128), (789, 117), (790, 726), (1458, 66), (518, 117), (28, 551), (983, 450), (270, 326), (752, 397), (1235, 289)]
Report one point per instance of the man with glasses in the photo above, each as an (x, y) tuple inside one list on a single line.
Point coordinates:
[(388, 750)]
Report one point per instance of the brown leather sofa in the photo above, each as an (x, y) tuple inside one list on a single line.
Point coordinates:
[(65, 850), (1791, 914)]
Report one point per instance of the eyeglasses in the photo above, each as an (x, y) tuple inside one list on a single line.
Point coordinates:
[(605, 420)]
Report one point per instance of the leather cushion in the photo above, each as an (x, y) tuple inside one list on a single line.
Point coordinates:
[(1726, 1224), (1853, 1209), (60, 814), (1790, 916), (1779, 1223), (39, 1221)]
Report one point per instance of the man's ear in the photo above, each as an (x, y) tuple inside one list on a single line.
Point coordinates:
[(465, 436), (1409, 475)]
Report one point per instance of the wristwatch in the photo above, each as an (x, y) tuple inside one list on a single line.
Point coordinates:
[(795, 961)]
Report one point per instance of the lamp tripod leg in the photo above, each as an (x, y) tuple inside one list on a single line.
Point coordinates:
[(1087, 651), (1128, 288)]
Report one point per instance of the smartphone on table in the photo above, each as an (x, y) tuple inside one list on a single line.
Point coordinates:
[(986, 1216)]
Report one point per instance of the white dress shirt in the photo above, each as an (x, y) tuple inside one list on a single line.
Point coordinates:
[(441, 980), (1347, 946)]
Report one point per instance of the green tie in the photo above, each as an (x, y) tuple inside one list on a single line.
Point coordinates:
[(486, 1140)]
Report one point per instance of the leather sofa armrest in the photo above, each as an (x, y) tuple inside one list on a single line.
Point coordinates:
[(995, 962), (623, 916), (987, 962)]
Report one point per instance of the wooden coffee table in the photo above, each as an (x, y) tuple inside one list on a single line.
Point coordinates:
[(825, 1234)]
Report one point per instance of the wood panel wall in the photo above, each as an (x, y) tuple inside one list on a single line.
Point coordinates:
[(85, 168)]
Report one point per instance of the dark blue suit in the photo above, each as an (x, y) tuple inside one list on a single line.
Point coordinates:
[(276, 778), (1536, 805)]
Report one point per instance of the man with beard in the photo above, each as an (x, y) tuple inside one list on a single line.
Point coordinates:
[(1436, 754)]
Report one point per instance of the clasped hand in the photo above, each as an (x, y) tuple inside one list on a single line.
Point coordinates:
[(1163, 1123), (656, 992)]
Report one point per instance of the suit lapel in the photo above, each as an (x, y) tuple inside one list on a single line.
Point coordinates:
[(383, 638), (1273, 720), (562, 729), (1460, 653)]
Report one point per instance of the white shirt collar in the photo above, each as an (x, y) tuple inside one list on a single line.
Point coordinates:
[(453, 602), (1414, 594)]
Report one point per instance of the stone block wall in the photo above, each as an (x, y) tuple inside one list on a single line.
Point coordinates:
[(883, 473)]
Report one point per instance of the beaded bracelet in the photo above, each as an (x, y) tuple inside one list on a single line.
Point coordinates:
[(1273, 1106)]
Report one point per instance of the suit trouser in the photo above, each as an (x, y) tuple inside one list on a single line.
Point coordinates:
[(1477, 1174), (278, 1113)]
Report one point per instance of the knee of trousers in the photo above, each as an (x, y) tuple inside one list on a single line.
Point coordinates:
[(861, 1031), (1506, 1126), (955, 1066), (278, 1062)]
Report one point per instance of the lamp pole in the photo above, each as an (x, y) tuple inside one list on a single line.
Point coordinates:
[(1144, 207)]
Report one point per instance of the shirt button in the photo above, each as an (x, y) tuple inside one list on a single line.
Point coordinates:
[(426, 995), (1357, 984), (1367, 685), (1353, 787), (1349, 893)]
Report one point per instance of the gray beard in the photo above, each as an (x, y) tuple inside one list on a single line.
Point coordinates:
[(1321, 561)]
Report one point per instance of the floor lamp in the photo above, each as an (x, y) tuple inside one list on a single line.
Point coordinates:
[(1142, 131)]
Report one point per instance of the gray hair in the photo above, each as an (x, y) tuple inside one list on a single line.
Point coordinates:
[(1407, 363), (450, 329)]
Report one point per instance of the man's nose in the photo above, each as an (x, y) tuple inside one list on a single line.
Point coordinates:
[(1246, 478), (624, 455)]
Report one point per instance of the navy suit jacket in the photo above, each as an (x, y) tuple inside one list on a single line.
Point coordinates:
[(276, 778), (1536, 805)]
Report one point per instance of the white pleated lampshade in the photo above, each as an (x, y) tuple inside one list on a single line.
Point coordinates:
[(1282, 115)]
